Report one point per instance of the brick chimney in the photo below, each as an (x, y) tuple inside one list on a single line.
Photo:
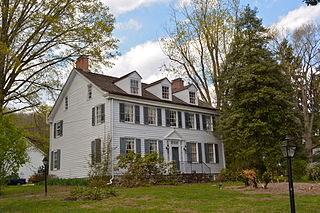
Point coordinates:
[(177, 83), (82, 63)]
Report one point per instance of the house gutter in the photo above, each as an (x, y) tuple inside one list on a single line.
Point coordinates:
[(111, 118)]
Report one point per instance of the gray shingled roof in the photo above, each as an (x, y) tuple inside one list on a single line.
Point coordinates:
[(107, 84)]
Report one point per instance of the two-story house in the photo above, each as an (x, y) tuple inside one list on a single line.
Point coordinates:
[(164, 117)]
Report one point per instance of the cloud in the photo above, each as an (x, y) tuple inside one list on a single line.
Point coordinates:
[(122, 6), (146, 59), (296, 18), (131, 24)]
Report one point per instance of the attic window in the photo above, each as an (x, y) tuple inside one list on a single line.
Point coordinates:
[(134, 85), (89, 91), (165, 92), (192, 96), (66, 103)]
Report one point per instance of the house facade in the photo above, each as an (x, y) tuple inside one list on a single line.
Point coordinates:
[(164, 117)]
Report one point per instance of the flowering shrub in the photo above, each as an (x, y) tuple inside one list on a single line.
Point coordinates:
[(249, 177)]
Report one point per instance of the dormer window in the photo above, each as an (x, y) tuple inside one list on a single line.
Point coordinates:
[(134, 86), (192, 97), (165, 92)]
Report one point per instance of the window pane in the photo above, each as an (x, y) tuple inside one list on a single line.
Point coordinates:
[(192, 96), (152, 115), (165, 92), (210, 153), (134, 86), (194, 152), (173, 118), (129, 144), (191, 119), (128, 113), (153, 146)]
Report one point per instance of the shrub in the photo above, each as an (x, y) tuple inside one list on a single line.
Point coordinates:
[(249, 177), (228, 175), (150, 169), (313, 171), (266, 178), (298, 168)]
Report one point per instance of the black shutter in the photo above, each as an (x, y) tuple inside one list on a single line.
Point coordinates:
[(187, 120), (189, 157), (98, 150), (216, 152), (159, 117), (59, 159), (179, 119), (146, 146), (93, 152), (160, 145), (93, 116), (206, 152), (145, 115), (102, 113), (167, 118), (213, 123), (200, 152), (51, 158), (137, 114), (198, 121), (123, 147), (138, 145), (204, 122), (55, 130), (61, 127), (121, 108)]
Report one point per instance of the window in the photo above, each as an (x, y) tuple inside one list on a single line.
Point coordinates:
[(96, 151), (128, 113), (194, 154), (207, 124), (153, 146), (191, 121), (55, 159), (89, 91), (134, 86), (58, 129), (192, 97), (173, 118), (211, 154), (165, 92), (66, 104), (129, 145), (98, 114), (152, 115)]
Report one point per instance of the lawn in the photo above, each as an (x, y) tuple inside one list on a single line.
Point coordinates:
[(182, 198)]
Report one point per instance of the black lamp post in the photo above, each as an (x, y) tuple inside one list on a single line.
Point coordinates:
[(288, 152), (45, 162)]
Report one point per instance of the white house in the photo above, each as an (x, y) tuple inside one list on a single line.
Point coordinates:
[(164, 117)]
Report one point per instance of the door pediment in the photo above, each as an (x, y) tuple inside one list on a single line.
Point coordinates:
[(173, 135)]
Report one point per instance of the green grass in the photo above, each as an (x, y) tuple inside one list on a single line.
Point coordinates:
[(183, 198)]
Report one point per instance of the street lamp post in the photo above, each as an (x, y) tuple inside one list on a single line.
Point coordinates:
[(45, 162), (288, 152)]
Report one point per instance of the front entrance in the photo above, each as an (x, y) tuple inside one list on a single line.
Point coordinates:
[(175, 157)]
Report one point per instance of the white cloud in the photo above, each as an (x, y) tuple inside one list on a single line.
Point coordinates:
[(131, 24), (296, 18), (123, 6), (146, 59)]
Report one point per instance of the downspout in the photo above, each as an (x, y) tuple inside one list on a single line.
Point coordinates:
[(111, 123)]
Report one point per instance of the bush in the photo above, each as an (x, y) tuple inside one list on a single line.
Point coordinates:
[(91, 193), (67, 182), (313, 171), (228, 175), (150, 169), (298, 168), (266, 178), (249, 177)]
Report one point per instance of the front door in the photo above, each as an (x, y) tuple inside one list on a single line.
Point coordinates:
[(175, 157)]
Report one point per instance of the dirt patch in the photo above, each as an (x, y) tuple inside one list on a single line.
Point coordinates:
[(281, 188)]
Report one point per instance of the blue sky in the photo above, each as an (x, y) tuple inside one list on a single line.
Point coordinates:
[(140, 24)]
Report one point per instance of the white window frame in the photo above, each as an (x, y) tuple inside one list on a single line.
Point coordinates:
[(192, 97), (173, 112), (129, 117), (130, 140), (208, 125), (134, 86), (192, 120), (156, 145), (55, 160), (152, 116), (196, 153), (58, 129), (165, 94), (66, 103), (89, 92), (97, 114), (213, 154)]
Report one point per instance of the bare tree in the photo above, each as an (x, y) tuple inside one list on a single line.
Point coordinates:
[(38, 38), (199, 43)]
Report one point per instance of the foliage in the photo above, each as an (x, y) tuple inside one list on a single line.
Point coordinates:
[(91, 193), (313, 171), (228, 175), (13, 150), (259, 110), (150, 169), (249, 177), (266, 178), (198, 42), (40, 38), (66, 182), (298, 168)]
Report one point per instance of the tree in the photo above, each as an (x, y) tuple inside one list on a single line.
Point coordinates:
[(12, 149), (259, 110), (38, 39), (199, 42), (311, 2)]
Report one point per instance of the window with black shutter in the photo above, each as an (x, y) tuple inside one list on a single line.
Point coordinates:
[(58, 129), (98, 114)]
